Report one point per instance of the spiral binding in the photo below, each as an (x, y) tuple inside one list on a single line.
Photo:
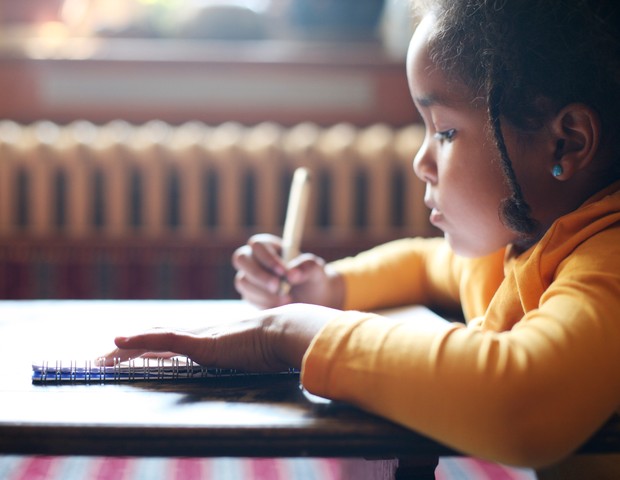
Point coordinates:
[(140, 369)]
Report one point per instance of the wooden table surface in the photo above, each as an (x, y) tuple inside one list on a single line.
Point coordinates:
[(267, 415)]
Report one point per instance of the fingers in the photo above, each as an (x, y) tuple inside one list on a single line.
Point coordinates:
[(267, 250), (182, 343), (160, 343), (259, 295), (262, 252), (260, 270), (118, 355)]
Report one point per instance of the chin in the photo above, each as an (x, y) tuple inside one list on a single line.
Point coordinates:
[(468, 249)]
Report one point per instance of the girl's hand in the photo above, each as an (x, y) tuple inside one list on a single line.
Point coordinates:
[(261, 271), (273, 340)]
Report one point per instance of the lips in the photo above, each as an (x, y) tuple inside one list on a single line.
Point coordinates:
[(435, 217)]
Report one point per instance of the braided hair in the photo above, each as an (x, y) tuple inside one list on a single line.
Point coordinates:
[(527, 59)]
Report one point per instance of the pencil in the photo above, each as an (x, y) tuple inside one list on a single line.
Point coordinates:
[(295, 219)]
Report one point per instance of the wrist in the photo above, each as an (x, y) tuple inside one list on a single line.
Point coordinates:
[(292, 328), (335, 288)]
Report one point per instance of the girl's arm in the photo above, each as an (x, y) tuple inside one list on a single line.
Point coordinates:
[(529, 395), (402, 272)]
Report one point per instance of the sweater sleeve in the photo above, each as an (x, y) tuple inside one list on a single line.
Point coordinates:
[(526, 396), (402, 272)]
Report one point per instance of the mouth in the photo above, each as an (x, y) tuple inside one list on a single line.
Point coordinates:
[(436, 217)]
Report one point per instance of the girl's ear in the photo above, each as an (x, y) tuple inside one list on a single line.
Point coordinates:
[(576, 130)]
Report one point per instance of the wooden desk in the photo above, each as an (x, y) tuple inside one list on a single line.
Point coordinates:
[(256, 416)]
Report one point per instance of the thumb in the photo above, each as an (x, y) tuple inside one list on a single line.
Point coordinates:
[(304, 268)]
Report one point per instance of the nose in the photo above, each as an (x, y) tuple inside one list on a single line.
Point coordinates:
[(424, 164)]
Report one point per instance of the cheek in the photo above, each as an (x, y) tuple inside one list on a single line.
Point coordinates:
[(533, 175), (487, 166), (474, 183), (526, 153)]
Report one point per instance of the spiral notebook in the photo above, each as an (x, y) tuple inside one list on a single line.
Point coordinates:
[(141, 369)]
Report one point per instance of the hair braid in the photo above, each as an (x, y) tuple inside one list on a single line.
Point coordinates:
[(514, 210)]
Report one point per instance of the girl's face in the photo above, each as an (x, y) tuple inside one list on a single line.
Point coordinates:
[(458, 160)]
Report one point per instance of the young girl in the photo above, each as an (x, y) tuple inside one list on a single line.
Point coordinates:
[(521, 105)]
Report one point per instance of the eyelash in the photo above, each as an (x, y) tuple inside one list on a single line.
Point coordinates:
[(446, 135)]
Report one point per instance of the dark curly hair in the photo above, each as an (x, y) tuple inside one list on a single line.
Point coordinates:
[(527, 59)]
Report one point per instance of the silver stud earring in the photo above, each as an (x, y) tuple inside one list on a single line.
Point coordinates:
[(557, 170)]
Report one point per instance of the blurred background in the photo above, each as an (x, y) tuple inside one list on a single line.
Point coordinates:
[(211, 60), (141, 141)]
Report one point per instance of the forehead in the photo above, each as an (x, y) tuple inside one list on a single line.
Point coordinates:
[(429, 85)]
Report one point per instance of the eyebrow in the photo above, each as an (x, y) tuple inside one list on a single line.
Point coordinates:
[(430, 100)]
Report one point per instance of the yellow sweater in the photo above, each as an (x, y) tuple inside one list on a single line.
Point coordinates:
[(532, 374)]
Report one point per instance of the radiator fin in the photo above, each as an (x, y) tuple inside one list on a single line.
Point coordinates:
[(194, 180)]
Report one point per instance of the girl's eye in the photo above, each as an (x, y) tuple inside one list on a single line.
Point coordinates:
[(446, 135)]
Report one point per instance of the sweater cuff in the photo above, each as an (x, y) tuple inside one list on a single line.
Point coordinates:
[(317, 364)]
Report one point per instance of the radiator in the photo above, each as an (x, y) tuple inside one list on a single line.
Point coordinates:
[(196, 181), (155, 210)]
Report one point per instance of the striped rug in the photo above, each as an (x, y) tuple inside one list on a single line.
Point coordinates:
[(18, 467)]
